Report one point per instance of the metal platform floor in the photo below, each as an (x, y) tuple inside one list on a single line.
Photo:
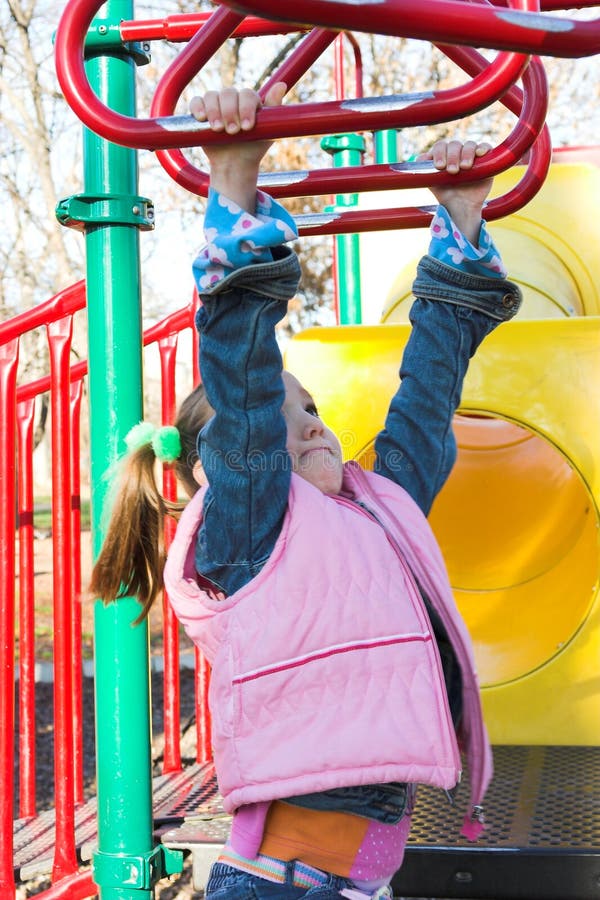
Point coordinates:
[(542, 841)]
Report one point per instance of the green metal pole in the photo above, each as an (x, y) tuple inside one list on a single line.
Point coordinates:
[(123, 864), (347, 150), (386, 146)]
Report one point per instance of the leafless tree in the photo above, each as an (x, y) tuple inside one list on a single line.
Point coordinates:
[(36, 257)]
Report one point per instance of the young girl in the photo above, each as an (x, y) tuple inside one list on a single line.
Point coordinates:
[(341, 670)]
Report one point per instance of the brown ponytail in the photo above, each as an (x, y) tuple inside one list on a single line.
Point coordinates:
[(132, 557)]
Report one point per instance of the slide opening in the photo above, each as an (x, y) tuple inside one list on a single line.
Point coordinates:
[(519, 533)]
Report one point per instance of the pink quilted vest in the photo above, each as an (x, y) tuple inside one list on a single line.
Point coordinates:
[(325, 670)]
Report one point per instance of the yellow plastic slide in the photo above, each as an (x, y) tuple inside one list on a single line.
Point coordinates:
[(518, 520)]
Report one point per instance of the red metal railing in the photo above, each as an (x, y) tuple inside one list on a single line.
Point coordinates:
[(17, 409), (9, 355)]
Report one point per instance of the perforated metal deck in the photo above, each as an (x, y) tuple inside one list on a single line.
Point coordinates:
[(542, 841)]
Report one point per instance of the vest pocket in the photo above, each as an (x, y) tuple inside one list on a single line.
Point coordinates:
[(298, 716)]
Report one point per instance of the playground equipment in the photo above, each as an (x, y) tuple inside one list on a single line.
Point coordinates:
[(95, 59)]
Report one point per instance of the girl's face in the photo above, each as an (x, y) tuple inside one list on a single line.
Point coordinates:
[(314, 449)]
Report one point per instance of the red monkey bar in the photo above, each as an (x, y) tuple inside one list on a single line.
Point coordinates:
[(183, 26), (185, 131), (362, 114), (444, 21), (165, 133)]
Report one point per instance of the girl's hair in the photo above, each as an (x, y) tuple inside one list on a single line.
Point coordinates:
[(132, 557)]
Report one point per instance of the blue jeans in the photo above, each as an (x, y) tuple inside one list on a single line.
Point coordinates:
[(386, 803), (227, 883)]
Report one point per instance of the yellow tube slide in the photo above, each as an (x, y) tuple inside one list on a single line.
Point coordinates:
[(518, 521)]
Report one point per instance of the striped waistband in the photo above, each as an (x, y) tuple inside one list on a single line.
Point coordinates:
[(272, 869)]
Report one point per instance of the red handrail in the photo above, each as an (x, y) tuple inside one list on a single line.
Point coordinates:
[(9, 356), (444, 21), (66, 302)]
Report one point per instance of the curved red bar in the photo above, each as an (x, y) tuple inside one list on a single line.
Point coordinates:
[(444, 21), (315, 118), (172, 85), (183, 26), (177, 77), (531, 107), (125, 130), (354, 221), (488, 84), (176, 132)]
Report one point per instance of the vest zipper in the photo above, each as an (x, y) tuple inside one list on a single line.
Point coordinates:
[(361, 508), (474, 718)]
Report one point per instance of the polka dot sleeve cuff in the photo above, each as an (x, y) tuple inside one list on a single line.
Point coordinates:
[(451, 247), (235, 238)]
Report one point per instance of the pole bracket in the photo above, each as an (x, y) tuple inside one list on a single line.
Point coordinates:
[(104, 39), (82, 210), (138, 872)]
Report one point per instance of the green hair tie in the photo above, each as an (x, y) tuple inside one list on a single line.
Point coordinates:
[(166, 444), (140, 435), (165, 441)]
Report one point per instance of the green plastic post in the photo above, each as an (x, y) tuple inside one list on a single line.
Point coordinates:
[(125, 864), (347, 150)]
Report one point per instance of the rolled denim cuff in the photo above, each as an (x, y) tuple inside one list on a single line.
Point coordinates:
[(495, 297), (277, 279)]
